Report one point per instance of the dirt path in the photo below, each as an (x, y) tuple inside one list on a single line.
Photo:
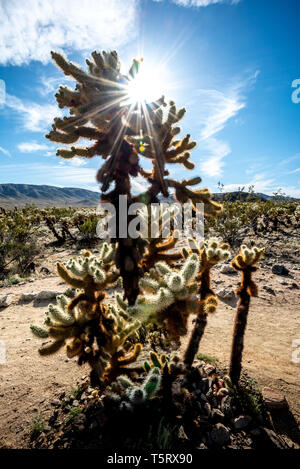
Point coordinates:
[(29, 382)]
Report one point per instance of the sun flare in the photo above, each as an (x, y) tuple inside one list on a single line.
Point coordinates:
[(147, 86)]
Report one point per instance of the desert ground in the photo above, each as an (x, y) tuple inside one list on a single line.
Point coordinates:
[(29, 383)]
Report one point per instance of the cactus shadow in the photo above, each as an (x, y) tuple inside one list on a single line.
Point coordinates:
[(285, 423), (232, 302)]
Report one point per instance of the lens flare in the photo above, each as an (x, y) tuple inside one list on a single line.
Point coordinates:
[(147, 86)]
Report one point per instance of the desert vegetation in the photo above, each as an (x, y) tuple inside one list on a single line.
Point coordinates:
[(135, 310)]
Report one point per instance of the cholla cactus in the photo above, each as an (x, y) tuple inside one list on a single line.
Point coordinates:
[(169, 295), (121, 132), (173, 363), (93, 332), (91, 274), (210, 252), (245, 262), (159, 221), (125, 395)]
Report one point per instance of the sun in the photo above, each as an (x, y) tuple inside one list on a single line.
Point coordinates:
[(147, 86)]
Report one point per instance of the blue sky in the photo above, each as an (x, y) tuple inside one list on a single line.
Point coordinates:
[(231, 63)]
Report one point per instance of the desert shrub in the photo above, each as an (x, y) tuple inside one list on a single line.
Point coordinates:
[(18, 241)]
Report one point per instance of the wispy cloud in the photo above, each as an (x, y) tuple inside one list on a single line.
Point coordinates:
[(294, 171), (289, 160), (203, 3), (52, 24), (34, 117), (6, 152), (29, 147), (217, 108)]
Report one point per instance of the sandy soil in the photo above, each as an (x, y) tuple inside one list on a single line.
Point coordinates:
[(28, 382)]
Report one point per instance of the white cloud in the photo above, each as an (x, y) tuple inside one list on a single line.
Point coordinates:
[(203, 3), (34, 117), (220, 107), (76, 161), (29, 147), (29, 30), (138, 184), (51, 84), (297, 170), (216, 151), (216, 109), (6, 152)]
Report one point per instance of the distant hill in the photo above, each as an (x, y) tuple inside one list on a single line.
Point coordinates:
[(18, 195), (239, 195)]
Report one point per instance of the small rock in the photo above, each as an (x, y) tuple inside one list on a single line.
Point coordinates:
[(222, 392), (269, 290), (280, 269), (93, 425), (294, 286), (267, 439), (274, 399), (209, 369), (75, 403), (241, 422), (47, 295), (226, 294), (53, 417), (6, 300), (220, 434), (181, 433), (30, 296), (217, 416), (55, 402), (45, 270), (226, 406), (204, 385), (227, 269)]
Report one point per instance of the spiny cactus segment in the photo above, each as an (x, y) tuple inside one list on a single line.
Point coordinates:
[(158, 220), (126, 395), (169, 295), (173, 363)]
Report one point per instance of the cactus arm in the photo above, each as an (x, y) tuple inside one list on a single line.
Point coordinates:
[(51, 348), (64, 274)]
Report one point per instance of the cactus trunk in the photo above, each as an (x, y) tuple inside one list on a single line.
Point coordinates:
[(201, 320), (239, 331)]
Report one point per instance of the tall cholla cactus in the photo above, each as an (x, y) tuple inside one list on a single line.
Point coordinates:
[(210, 252), (92, 331), (245, 262), (169, 295), (121, 132)]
